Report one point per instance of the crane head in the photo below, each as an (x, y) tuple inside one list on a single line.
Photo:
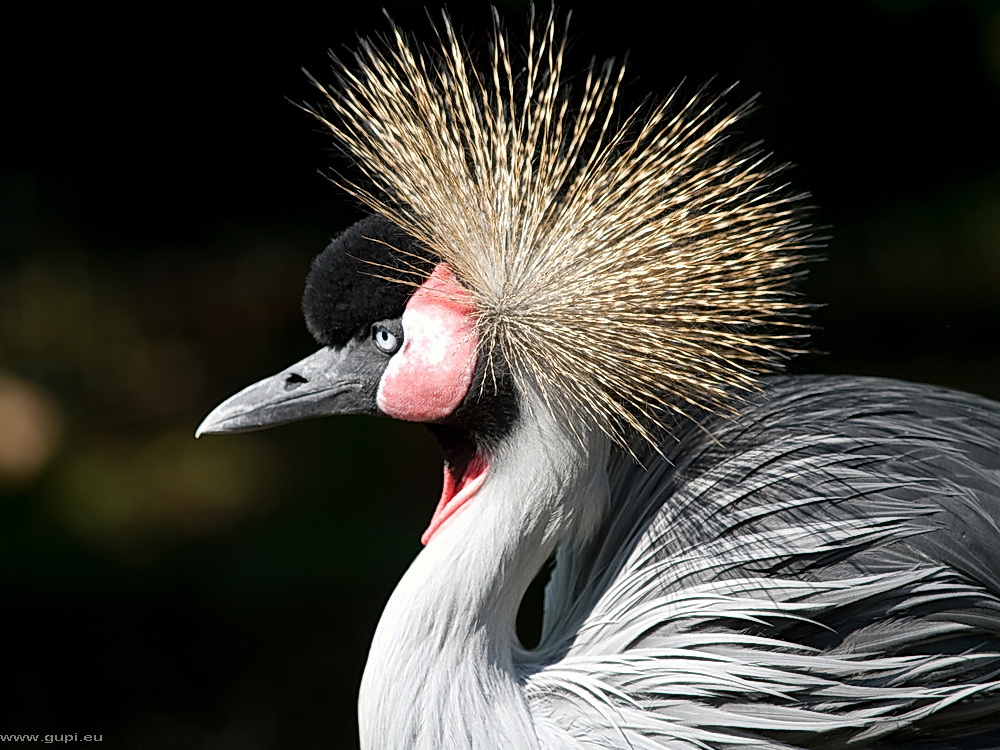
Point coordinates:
[(398, 336), (536, 244)]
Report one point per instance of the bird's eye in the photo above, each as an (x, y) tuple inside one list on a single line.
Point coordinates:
[(385, 339)]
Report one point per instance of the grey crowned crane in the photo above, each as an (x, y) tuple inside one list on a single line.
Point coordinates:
[(588, 309)]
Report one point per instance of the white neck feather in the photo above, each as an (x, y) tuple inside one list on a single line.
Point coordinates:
[(444, 668)]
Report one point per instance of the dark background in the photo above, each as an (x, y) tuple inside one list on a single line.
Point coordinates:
[(160, 202)]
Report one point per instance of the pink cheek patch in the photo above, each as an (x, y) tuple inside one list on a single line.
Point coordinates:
[(429, 376)]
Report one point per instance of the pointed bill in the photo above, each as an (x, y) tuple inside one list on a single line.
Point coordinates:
[(328, 382)]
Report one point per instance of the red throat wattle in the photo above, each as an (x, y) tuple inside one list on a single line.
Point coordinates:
[(428, 378), (461, 482)]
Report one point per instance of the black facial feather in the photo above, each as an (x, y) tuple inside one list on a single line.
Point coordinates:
[(484, 419), (354, 282)]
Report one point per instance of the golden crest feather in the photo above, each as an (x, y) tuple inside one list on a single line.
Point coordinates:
[(630, 267)]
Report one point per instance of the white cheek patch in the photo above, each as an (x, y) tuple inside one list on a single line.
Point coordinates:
[(429, 376)]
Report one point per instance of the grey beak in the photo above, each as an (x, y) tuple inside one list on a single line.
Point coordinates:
[(330, 381)]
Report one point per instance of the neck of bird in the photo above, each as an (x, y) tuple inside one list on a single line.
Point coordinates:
[(445, 666)]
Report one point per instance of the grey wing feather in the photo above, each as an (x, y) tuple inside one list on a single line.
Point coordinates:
[(822, 570)]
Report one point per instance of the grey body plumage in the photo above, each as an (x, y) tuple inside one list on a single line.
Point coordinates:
[(824, 569)]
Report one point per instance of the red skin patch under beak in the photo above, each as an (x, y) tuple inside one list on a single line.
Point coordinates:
[(429, 376), (455, 493)]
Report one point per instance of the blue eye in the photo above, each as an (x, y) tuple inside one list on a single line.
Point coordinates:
[(385, 339)]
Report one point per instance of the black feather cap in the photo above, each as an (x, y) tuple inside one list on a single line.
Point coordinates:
[(366, 274)]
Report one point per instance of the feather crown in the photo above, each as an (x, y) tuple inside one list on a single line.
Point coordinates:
[(630, 267)]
